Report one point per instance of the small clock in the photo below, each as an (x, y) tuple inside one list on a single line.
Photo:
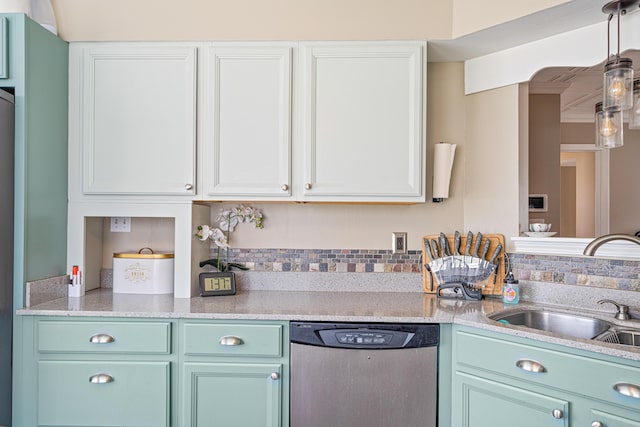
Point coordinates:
[(217, 283)]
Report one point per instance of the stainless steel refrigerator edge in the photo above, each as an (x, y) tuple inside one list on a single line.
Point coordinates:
[(6, 251)]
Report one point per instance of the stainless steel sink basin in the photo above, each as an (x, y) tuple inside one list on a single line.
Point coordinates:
[(559, 323)]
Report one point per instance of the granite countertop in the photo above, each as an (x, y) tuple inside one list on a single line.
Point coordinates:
[(392, 307)]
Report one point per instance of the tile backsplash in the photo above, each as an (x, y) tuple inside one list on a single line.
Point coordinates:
[(544, 269)]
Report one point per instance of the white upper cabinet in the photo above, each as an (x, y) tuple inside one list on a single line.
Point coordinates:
[(363, 135), (246, 150), (135, 107)]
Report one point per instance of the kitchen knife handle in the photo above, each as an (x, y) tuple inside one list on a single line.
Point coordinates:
[(434, 247), (495, 253), (476, 245), (456, 243), (427, 249), (468, 245), (485, 249)]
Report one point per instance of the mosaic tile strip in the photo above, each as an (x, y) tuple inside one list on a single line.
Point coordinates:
[(582, 271), (327, 260)]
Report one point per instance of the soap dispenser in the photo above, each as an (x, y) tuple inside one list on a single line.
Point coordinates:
[(510, 290)]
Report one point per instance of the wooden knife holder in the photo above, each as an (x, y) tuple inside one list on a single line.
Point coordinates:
[(491, 285)]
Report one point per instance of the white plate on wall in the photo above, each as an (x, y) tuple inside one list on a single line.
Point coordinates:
[(540, 233)]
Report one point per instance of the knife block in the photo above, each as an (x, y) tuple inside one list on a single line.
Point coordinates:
[(492, 284)]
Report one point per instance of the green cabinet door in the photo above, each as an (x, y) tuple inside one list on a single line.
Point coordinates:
[(231, 395), (480, 402), (103, 393), (607, 419)]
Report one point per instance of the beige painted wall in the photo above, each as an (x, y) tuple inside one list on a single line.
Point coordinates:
[(491, 179), (568, 203), (584, 184), (99, 20), (472, 15), (544, 154), (624, 182)]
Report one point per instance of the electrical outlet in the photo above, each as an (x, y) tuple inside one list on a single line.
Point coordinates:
[(121, 224), (399, 242)]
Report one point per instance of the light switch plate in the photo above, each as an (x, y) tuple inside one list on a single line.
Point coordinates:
[(121, 224)]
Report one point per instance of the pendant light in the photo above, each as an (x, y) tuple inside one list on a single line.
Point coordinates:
[(618, 72), (634, 113), (608, 127)]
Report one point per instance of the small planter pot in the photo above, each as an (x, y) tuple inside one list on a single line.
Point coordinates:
[(217, 283)]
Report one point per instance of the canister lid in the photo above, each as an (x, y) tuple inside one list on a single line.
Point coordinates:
[(141, 254)]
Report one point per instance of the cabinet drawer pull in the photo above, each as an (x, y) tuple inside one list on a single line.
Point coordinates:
[(275, 376), (100, 379), (307, 186), (285, 187), (597, 424), (101, 339), (530, 366), (230, 340), (557, 414), (627, 389), (188, 187)]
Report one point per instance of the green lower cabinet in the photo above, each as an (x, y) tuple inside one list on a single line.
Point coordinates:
[(481, 402), (231, 395), (105, 394), (502, 381)]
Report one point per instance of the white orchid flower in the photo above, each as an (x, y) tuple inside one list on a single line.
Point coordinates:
[(219, 238), (204, 232)]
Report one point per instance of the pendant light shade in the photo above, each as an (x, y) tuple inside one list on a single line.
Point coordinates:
[(634, 113), (608, 128), (618, 84)]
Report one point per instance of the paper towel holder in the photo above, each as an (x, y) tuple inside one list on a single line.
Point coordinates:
[(444, 154)]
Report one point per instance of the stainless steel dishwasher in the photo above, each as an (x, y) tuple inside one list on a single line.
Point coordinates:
[(363, 375)]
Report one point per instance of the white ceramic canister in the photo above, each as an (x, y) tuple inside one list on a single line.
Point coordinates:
[(143, 272)]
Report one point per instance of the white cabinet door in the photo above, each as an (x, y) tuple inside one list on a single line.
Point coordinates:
[(364, 121), (247, 122), (137, 115)]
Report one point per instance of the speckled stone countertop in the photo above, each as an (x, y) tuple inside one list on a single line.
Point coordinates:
[(395, 307)]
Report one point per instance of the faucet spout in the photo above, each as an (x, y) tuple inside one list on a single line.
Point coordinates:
[(593, 246)]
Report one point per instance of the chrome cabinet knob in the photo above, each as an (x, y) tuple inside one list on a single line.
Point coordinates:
[(307, 186), (101, 379), (530, 366), (557, 413), (628, 389), (285, 187), (188, 187), (597, 424), (101, 339), (230, 340), (275, 376)]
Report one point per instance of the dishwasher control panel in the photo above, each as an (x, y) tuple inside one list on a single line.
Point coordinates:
[(366, 338)]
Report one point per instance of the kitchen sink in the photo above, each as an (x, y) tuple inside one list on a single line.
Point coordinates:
[(559, 323)]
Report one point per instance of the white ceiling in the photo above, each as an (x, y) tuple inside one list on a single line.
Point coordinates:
[(579, 87)]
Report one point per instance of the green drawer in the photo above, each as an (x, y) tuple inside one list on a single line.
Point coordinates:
[(4, 48), (562, 370), (138, 394), (232, 340), (104, 337)]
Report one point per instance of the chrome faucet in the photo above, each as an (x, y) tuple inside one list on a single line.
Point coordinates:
[(593, 246), (623, 310)]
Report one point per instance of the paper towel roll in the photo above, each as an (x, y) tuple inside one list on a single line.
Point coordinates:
[(444, 154)]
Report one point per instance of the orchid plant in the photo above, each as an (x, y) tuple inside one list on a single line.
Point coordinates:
[(228, 220)]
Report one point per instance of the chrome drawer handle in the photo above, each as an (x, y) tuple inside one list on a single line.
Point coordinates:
[(627, 389), (100, 379), (188, 187), (597, 424), (101, 339), (557, 414), (230, 340), (530, 366), (275, 376)]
